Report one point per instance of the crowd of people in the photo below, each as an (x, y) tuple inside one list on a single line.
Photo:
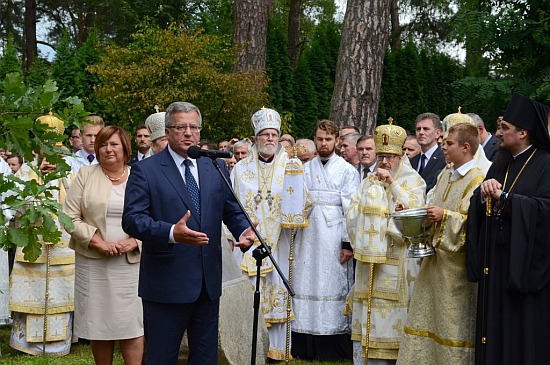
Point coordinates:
[(142, 261)]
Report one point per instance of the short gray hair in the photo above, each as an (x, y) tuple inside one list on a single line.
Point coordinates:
[(477, 119), (353, 137), (241, 143), (180, 107), (307, 143)]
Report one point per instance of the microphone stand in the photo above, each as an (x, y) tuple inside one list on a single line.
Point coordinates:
[(259, 253)]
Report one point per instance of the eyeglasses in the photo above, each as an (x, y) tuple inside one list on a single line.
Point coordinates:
[(183, 127), (388, 158), (268, 135)]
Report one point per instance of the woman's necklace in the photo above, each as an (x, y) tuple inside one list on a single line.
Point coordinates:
[(115, 178)]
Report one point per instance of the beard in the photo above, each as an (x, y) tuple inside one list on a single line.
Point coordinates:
[(267, 150), (325, 153)]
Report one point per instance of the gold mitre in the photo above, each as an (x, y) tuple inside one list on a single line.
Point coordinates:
[(390, 138), (55, 124), (456, 118)]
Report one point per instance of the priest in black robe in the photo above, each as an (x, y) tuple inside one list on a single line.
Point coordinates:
[(508, 252)]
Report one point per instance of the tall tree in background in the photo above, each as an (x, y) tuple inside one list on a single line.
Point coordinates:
[(250, 33), (294, 31), (360, 64), (30, 33)]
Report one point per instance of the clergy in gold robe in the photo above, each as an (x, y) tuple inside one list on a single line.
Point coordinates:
[(380, 249), (441, 325)]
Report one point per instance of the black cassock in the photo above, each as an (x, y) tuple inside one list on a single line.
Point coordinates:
[(514, 298)]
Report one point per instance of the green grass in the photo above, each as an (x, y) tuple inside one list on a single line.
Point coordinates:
[(81, 355)]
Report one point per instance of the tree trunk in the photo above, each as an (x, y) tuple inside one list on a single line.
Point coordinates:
[(250, 34), (360, 62), (395, 37), (30, 33), (294, 16)]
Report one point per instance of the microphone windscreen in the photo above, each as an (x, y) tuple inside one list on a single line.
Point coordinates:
[(193, 152)]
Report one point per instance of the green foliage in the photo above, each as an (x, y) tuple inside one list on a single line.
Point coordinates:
[(162, 66), (10, 61), (20, 106), (279, 70), (38, 73), (416, 81)]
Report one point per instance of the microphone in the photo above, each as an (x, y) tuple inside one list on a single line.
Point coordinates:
[(196, 152)]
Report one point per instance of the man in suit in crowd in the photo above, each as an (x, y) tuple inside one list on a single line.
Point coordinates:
[(348, 148), (489, 142), (143, 143), (176, 205), (411, 147), (75, 140), (86, 155), (431, 159), (367, 156)]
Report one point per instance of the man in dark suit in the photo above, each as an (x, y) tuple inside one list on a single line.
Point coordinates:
[(143, 143), (431, 160), (489, 142), (176, 205)]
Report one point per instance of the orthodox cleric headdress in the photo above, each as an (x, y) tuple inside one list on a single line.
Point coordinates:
[(455, 118), (266, 118), (390, 138), (55, 124), (156, 125)]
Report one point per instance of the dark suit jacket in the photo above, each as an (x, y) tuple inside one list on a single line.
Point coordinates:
[(433, 167), (133, 159), (156, 198), (492, 147)]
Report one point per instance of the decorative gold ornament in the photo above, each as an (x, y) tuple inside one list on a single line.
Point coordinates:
[(390, 138), (55, 124)]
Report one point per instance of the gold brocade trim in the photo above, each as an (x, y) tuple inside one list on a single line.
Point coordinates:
[(67, 272), (356, 337), (295, 225), (382, 354), (278, 355), (384, 345), (56, 260), (439, 340), (474, 182), (378, 210), (40, 310), (278, 320), (370, 259), (293, 172)]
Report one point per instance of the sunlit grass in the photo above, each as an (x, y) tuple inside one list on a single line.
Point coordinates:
[(81, 354)]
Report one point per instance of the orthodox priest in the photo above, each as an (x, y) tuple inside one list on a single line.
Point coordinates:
[(323, 269), (258, 181), (508, 248), (380, 250)]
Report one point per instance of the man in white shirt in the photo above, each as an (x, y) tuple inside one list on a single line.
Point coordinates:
[(86, 155)]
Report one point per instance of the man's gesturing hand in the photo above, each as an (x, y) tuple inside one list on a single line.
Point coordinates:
[(184, 234)]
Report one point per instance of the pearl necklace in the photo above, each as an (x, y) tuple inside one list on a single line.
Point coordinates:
[(115, 178)]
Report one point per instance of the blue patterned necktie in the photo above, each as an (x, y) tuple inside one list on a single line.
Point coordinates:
[(90, 158), (192, 187)]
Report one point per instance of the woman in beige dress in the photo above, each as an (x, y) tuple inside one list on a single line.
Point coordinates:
[(107, 307)]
